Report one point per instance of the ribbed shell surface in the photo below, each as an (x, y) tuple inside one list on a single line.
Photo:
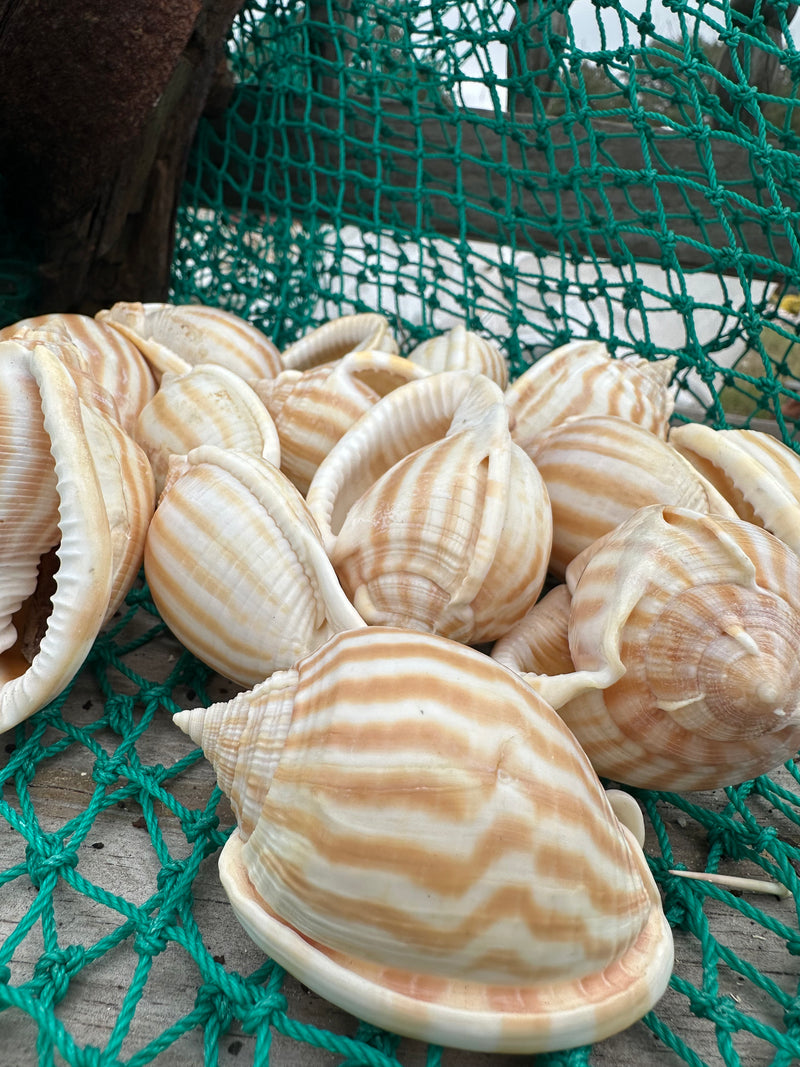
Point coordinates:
[(695, 624), (429, 812), (581, 378), (461, 349), (110, 359), (28, 492), (206, 405), (336, 338), (236, 567), (314, 408), (57, 624), (756, 473), (599, 469), (311, 413), (174, 337)]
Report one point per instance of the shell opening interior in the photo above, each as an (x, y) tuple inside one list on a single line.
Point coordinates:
[(30, 620)]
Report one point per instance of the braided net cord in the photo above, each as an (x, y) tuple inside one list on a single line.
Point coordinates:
[(540, 172)]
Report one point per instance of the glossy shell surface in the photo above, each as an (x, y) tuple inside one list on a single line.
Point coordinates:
[(422, 841)]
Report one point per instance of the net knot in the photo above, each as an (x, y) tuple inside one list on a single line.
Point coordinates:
[(47, 857), (212, 1002), (262, 1011), (107, 769), (199, 824), (168, 876), (55, 969), (722, 1011), (119, 713), (150, 941)]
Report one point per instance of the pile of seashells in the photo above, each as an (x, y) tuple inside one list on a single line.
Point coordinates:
[(422, 836)]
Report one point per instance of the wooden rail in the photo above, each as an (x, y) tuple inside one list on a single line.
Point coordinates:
[(591, 188)]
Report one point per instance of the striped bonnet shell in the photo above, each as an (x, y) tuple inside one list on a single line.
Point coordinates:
[(422, 841)]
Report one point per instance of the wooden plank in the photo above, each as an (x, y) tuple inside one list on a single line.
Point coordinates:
[(581, 188)]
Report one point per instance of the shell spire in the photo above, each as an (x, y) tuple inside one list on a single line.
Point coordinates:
[(683, 630), (243, 739)]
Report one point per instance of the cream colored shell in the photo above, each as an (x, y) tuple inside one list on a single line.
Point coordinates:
[(462, 349), (335, 338), (422, 842), (236, 567), (599, 469), (431, 515), (175, 337), (581, 378), (683, 630), (756, 473), (76, 494), (109, 359), (206, 405), (312, 409)]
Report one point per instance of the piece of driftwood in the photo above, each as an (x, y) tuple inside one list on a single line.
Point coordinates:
[(99, 103)]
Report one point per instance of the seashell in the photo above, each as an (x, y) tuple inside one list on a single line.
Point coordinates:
[(581, 378), (76, 495), (206, 405), (461, 349), (432, 516), (421, 841), (683, 630), (109, 359), (538, 643), (338, 337), (599, 469), (312, 409), (175, 337), (756, 473), (256, 590)]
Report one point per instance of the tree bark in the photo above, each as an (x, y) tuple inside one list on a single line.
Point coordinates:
[(99, 103)]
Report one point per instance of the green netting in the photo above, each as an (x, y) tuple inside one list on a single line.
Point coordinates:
[(540, 172)]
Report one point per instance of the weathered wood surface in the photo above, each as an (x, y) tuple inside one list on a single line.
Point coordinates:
[(99, 104), (118, 855)]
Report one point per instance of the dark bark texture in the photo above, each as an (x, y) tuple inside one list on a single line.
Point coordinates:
[(99, 103)]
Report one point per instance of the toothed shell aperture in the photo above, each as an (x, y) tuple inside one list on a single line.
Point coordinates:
[(76, 496), (236, 567), (422, 842)]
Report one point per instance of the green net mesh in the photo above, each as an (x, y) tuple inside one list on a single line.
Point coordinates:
[(540, 172)]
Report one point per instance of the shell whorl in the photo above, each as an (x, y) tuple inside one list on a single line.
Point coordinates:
[(686, 628), (428, 817), (244, 738)]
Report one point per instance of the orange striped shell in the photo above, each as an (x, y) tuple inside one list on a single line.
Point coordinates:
[(599, 469), (236, 567), (462, 349), (337, 337), (581, 378), (421, 840), (76, 495), (755, 472), (175, 337), (312, 409), (206, 405), (431, 515), (683, 630), (110, 359)]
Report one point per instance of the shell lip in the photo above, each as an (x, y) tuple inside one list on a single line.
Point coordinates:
[(544, 1019)]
